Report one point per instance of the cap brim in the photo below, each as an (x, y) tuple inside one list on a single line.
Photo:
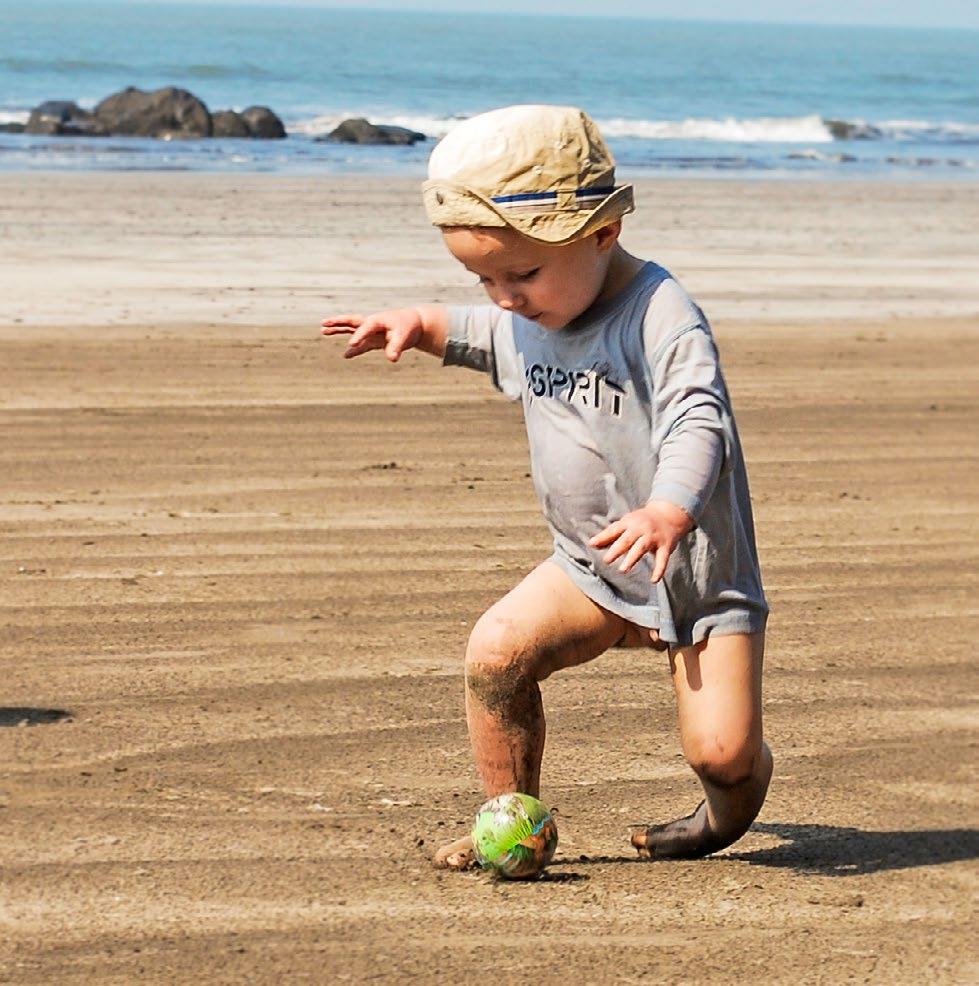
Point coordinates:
[(449, 204)]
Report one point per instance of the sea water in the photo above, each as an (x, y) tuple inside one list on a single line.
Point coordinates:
[(672, 97)]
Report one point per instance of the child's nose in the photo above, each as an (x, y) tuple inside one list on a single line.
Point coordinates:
[(510, 301)]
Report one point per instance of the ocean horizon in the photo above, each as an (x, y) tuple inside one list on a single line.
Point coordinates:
[(672, 97)]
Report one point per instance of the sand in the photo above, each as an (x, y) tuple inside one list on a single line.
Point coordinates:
[(244, 570)]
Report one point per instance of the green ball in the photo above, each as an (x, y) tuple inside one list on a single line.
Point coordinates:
[(514, 836)]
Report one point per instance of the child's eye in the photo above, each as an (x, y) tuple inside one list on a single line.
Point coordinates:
[(528, 275)]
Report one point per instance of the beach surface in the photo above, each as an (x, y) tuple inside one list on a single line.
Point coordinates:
[(237, 574)]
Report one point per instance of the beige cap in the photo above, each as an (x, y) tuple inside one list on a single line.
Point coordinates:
[(544, 170)]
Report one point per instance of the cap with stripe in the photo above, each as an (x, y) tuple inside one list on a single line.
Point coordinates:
[(543, 170)]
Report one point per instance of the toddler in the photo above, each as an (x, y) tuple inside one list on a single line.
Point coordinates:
[(635, 457)]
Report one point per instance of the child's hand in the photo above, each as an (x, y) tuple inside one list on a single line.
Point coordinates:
[(393, 331), (655, 528)]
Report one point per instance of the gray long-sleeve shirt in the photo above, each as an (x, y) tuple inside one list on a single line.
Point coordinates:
[(624, 405)]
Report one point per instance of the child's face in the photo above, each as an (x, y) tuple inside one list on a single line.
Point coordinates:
[(550, 285)]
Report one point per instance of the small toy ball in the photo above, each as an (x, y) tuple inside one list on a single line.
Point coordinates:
[(514, 836)]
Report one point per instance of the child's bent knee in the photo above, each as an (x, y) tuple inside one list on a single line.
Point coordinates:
[(496, 645), (725, 766)]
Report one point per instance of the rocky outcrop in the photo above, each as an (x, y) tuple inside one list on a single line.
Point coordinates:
[(845, 130), (360, 131), (173, 114), (262, 123), (61, 116), (228, 123), (169, 114)]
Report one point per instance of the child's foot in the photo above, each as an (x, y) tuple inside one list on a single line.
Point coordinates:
[(683, 838), (458, 855)]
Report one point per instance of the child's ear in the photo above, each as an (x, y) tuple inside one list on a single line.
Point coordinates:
[(607, 236)]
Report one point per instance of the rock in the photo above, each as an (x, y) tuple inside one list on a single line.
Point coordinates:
[(360, 131), (167, 113), (262, 123), (62, 117), (845, 130), (228, 123)]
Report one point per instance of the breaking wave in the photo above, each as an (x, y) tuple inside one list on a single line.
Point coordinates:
[(812, 129)]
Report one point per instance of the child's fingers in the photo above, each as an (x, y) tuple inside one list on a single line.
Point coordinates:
[(663, 553), (369, 329), (397, 343), (639, 548), (365, 346), (351, 321), (622, 544), (606, 537)]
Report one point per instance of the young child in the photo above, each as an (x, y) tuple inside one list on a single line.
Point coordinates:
[(635, 457)]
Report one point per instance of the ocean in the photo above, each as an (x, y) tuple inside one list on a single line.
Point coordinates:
[(672, 97)]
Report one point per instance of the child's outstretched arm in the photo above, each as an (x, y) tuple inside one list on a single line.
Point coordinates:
[(425, 327)]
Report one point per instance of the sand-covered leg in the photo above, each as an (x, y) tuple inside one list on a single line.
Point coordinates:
[(718, 689), (703, 832), (684, 838), (544, 624)]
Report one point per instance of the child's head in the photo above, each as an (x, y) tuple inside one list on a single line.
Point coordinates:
[(526, 199)]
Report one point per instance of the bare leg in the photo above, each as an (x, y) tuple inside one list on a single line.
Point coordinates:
[(546, 623), (718, 690)]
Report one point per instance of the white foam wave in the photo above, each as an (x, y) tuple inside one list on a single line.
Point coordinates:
[(811, 129), (806, 129), (14, 116), (316, 126), (431, 126), (785, 130), (946, 130)]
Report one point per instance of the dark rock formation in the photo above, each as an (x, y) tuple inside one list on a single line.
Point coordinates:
[(60, 116), (167, 113), (263, 124), (228, 123), (360, 131), (845, 130)]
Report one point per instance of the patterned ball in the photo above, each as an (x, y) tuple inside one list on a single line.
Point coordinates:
[(514, 836)]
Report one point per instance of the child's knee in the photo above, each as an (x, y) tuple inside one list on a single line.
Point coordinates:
[(497, 646), (500, 671), (723, 761)]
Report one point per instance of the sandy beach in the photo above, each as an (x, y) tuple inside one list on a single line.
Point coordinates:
[(237, 575)]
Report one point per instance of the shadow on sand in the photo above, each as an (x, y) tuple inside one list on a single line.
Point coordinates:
[(25, 716), (831, 850)]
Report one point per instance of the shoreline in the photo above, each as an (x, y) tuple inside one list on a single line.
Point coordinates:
[(160, 249)]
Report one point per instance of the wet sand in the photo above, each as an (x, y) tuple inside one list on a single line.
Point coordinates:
[(245, 570)]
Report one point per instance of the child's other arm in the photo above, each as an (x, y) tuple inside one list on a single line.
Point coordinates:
[(425, 327), (693, 418)]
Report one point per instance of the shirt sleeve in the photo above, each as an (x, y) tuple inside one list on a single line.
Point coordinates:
[(481, 337), (692, 423)]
